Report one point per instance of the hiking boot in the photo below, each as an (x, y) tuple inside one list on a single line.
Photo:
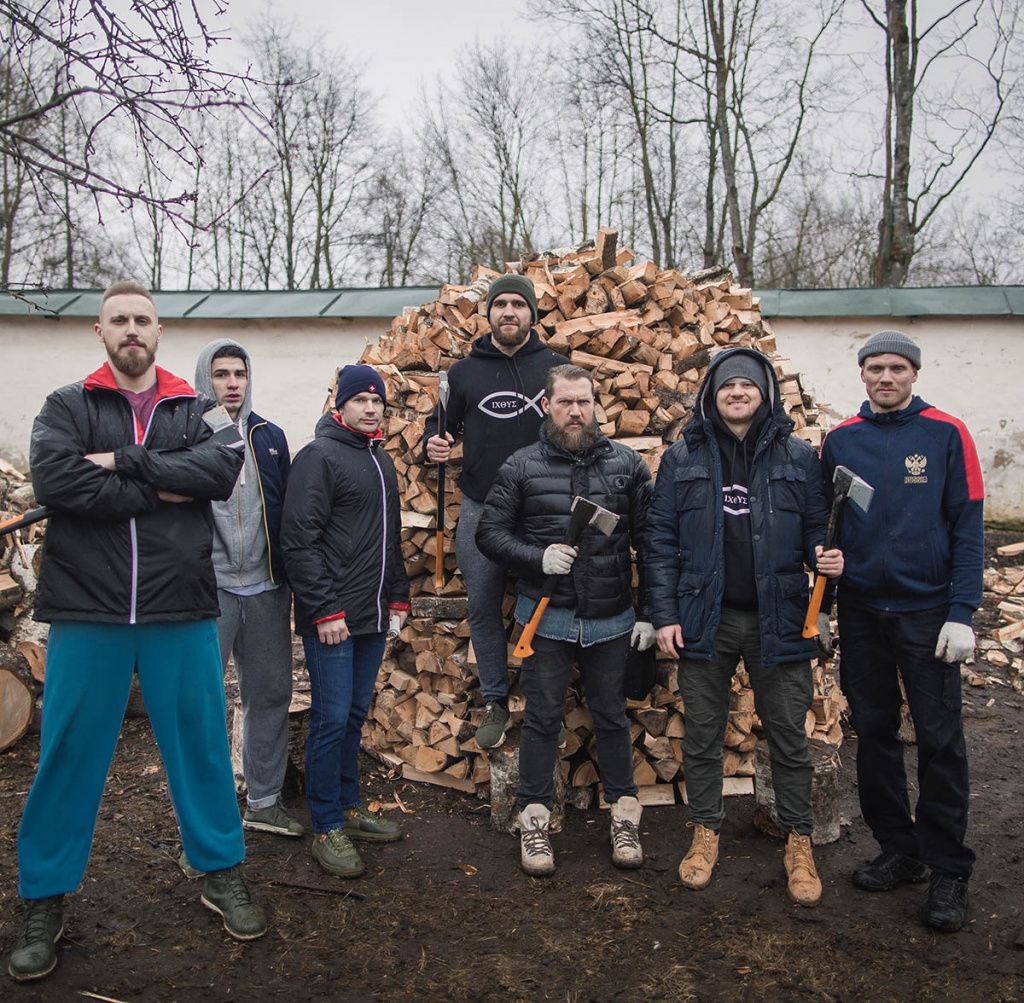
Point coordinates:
[(274, 819), (334, 852), (803, 884), (228, 895), (491, 732), (535, 854), (626, 849), (187, 869), (947, 903), (35, 952), (888, 870), (361, 823), (696, 867)]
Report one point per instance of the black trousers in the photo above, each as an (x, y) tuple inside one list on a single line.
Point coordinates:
[(874, 647), (544, 681)]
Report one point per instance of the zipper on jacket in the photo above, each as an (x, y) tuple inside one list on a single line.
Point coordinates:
[(384, 537), (263, 500)]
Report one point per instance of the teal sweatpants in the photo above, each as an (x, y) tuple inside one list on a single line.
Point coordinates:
[(89, 670)]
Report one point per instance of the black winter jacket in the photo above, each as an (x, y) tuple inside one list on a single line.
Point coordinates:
[(115, 553), (494, 402), (528, 509), (341, 532), (685, 555)]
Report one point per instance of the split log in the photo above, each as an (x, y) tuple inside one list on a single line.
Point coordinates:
[(824, 793), (18, 692)]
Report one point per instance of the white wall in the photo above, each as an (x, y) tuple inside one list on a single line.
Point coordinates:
[(970, 368)]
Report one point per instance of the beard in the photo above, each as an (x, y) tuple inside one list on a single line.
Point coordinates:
[(509, 338), (572, 438), (131, 363)]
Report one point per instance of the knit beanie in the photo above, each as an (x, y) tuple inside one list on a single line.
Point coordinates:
[(738, 364), (519, 284), (354, 380), (895, 342)]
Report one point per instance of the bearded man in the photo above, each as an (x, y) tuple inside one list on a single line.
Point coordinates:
[(592, 617)]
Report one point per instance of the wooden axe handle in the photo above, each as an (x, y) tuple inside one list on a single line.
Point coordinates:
[(814, 607), (525, 646)]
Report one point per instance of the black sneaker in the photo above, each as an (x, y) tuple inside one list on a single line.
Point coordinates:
[(947, 903), (491, 733), (888, 870), (35, 953), (227, 894)]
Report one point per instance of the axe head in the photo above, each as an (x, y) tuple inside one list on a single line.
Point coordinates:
[(442, 388), (586, 513), (847, 486)]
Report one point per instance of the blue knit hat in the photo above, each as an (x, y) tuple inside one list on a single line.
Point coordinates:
[(354, 380), (886, 342)]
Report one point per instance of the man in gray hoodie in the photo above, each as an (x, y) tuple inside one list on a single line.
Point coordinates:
[(255, 601)]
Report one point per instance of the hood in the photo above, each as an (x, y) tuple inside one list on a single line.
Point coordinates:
[(483, 347), (204, 381), (701, 427), (915, 407)]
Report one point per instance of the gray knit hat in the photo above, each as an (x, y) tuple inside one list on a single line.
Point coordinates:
[(518, 284), (737, 364), (895, 342)]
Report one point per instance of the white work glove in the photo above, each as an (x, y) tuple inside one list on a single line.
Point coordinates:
[(558, 559), (643, 635), (956, 642)]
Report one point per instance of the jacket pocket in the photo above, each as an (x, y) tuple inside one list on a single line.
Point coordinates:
[(792, 605), (692, 600), (786, 486), (693, 485)]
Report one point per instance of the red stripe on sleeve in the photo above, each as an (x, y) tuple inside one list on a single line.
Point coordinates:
[(975, 482)]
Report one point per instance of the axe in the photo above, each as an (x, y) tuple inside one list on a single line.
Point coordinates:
[(583, 513), (25, 519), (442, 421), (846, 486)]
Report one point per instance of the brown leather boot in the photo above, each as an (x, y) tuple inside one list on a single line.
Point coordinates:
[(695, 870), (803, 885)]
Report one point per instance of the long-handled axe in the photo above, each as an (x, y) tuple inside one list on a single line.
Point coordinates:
[(846, 486), (584, 513), (25, 519), (442, 405)]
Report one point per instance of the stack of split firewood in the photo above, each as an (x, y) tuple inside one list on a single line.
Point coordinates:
[(22, 640), (1004, 589), (647, 335)]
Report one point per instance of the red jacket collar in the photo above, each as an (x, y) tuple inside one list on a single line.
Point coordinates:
[(167, 384), (376, 435)]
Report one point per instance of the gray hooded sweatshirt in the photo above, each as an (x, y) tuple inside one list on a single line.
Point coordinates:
[(239, 534)]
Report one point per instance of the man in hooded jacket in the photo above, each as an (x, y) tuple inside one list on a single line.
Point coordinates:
[(738, 511), (254, 598)]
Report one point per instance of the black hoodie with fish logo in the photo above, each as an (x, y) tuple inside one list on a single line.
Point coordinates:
[(494, 406)]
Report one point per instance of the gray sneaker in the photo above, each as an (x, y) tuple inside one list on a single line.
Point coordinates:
[(227, 894), (334, 852), (274, 819), (35, 953), (187, 869), (491, 733)]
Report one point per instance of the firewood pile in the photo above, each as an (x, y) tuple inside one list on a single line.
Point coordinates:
[(1004, 589), (647, 335), (22, 640)]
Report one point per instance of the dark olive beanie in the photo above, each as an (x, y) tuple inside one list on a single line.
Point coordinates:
[(519, 284)]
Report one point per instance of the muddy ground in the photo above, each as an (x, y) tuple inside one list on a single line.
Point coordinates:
[(446, 914)]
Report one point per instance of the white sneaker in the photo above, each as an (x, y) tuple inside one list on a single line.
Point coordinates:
[(626, 849), (536, 856)]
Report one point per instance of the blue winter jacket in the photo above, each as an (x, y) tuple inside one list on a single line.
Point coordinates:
[(685, 531), (921, 543), (270, 451)]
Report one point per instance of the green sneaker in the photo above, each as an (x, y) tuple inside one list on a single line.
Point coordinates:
[(274, 819), (491, 733), (334, 852), (227, 894), (35, 953), (361, 823)]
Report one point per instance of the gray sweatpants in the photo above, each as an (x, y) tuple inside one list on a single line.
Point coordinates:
[(257, 631)]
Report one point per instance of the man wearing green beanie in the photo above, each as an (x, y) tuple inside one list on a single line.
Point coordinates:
[(494, 404)]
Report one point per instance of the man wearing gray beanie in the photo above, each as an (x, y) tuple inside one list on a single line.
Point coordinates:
[(911, 584), (494, 403)]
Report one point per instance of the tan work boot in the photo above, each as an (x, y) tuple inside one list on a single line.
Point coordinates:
[(803, 885), (536, 856), (626, 849), (695, 870)]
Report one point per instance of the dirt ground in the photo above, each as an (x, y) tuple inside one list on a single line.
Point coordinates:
[(446, 914)]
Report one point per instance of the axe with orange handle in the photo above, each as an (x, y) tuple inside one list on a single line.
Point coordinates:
[(442, 405), (584, 513), (846, 486), (25, 519)]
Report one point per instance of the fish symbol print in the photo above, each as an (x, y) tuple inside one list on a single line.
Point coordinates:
[(510, 404), (734, 498)]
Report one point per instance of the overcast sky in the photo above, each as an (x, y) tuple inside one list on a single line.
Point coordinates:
[(403, 43)]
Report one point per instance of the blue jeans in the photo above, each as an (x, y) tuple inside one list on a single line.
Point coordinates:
[(341, 677)]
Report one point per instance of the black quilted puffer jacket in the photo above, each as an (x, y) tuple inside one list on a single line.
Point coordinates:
[(528, 508)]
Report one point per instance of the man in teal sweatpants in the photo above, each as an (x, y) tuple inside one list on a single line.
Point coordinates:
[(128, 461)]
